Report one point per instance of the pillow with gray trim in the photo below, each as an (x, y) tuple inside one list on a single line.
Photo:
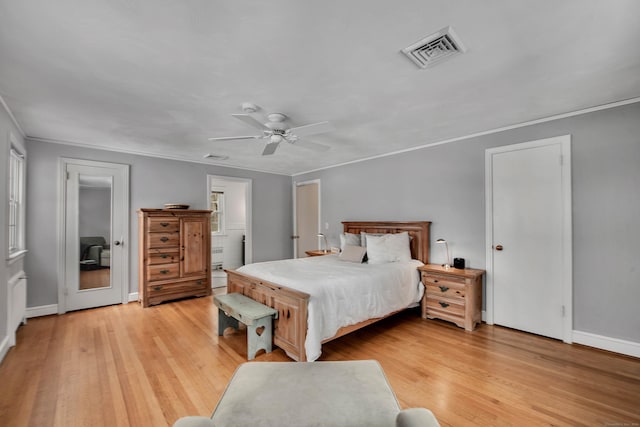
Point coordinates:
[(352, 253)]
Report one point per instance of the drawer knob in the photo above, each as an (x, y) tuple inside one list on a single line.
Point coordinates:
[(164, 239), (443, 304), (164, 224), (164, 256), (435, 280), (157, 288), (443, 288), (164, 271)]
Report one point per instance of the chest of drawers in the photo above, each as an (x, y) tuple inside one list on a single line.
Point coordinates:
[(174, 254), (452, 294)]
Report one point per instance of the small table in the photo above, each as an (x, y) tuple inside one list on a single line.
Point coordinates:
[(452, 294), (258, 318), (317, 252)]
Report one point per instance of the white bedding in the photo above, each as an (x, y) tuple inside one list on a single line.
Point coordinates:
[(342, 293)]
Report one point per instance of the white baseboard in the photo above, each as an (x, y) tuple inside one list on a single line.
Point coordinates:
[(133, 296), (616, 345), (4, 348), (43, 310)]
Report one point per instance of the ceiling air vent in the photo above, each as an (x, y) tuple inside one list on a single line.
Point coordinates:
[(435, 48)]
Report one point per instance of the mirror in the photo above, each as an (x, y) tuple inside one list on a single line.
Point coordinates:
[(94, 229)]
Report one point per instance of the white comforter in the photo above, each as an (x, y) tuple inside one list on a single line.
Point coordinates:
[(342, 293)]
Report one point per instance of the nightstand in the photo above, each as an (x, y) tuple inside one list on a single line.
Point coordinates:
[(452, 294), (317, 252)]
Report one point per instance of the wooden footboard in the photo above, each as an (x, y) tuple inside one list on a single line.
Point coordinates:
[(290, 328)]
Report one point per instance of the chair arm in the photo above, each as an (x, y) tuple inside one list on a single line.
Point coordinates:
[(416, 417), (194, 421)]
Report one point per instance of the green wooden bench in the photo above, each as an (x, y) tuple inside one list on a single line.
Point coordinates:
[(234, 308)]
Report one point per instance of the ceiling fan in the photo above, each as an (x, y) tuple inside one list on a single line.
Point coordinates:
[(275, 131)]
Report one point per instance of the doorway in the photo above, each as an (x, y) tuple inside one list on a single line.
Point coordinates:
[(529, 262), (94, 234), (229, 199), (306, 224)]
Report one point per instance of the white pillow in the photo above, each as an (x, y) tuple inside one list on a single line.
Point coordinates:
[(388, 248), (352, 253), (349, 239)]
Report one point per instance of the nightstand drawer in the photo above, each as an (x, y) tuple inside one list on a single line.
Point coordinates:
[(445, 289), (451, 307), (438, 279)]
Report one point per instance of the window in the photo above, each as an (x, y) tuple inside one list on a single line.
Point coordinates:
[(217, 214), (16, 201)]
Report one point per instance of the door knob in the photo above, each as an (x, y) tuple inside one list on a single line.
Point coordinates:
[(498, 247), (116, 242)]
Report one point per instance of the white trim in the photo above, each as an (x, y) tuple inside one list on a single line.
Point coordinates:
[(133, 297), (4, 348), (616, 345), (12, 117), (148, 154), (295, 210), (567, 252), (123, 224), (42, 310), (483, 133), (248, 247)]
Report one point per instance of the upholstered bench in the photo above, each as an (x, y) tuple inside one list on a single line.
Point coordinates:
[(305, 394), (234, 308)]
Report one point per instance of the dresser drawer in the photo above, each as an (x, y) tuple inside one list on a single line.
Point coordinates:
[(177, 289), (163, 240), (163, 271), (159, 225), (163, 256)]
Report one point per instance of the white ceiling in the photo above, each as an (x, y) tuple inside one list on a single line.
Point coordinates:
[(159, 77)]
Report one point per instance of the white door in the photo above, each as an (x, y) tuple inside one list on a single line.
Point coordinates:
[(529, 208), (307, 218), (95, 217)]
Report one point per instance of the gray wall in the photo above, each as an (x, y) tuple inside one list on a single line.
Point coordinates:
[(7, 269), (445, 184), (153, 182)]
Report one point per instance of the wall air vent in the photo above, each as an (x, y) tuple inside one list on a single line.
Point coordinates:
[(216, 156), (435, 48)]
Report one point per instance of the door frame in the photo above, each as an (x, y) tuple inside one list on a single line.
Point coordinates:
[(248, 246), (121, 256), (295, 211), (564, 142)]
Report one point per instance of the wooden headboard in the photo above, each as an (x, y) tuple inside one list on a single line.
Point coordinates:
[(418, 232)]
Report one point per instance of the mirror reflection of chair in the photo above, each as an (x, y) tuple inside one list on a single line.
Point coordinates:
[(94, 253)]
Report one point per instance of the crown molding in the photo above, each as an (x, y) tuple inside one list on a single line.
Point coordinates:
[(147, 154), (12, 117), (487, 132)]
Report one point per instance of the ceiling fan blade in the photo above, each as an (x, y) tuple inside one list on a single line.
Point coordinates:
[(231, 138), (312, 129), (251, 121), (270, 148), (311, 145)]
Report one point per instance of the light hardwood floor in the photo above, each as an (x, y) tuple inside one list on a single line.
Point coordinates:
[(127, 366)]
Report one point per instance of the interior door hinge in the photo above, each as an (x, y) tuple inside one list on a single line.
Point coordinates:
[(68, 176), (563, 311)]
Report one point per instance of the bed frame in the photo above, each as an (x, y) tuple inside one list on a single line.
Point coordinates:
[(290, 328)]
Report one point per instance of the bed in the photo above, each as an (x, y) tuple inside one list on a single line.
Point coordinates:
[(292, 327)]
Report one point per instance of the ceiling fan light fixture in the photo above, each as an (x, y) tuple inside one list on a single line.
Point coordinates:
[(275, 138)]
